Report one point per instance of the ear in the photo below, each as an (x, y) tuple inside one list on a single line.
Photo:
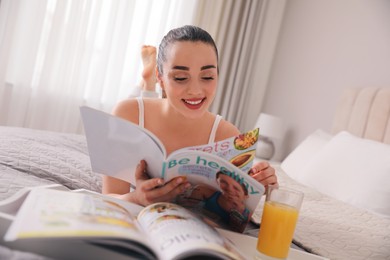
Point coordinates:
[(159, 79), (161, 83)]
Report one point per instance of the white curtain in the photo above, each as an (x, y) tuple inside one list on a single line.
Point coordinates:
[(56, 55), (246, 33)]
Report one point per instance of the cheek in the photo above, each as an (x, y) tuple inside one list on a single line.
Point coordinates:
[(211, 87), (211, 90), (223, 186), (175, 90), (238, 190)]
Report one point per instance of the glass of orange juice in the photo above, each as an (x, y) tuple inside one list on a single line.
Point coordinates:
[(280, 215)]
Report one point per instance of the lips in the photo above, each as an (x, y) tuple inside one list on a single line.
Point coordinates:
[(194, 103)]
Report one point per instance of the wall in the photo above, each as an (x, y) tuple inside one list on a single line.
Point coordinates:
[(324, 47)]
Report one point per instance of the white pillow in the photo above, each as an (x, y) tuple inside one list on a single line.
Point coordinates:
[(302, 154), (354, 170)]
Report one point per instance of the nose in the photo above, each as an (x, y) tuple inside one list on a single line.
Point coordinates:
[(230, 189), (194, 88)]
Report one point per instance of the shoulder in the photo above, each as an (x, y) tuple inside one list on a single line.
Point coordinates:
[(127, 109), (226, 130)]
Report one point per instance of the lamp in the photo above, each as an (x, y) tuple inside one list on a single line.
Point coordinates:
[(272, 130)]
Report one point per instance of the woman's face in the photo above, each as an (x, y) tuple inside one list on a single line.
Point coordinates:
[(190, 77), (231, 188)]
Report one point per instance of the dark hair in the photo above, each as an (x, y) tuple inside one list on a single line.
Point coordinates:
[(185, 33)]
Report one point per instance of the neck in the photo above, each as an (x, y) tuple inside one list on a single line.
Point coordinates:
[(177, 120)]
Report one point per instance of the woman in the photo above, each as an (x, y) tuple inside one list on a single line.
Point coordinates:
[(187, 71)]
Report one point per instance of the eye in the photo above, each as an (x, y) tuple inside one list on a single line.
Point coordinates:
[(207, 78), (223, 182), (180, 79)]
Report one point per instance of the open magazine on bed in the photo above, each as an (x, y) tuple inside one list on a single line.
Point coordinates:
[(222, 192), (72, 219)]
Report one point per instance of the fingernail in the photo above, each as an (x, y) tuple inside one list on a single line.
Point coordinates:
[(179, 180), (160, 181)]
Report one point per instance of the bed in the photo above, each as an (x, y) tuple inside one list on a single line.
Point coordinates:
[(33, 158), (345, 176), (332, 225)]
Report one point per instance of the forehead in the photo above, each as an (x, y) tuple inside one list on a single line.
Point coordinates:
[(228, 179), (191, 54)]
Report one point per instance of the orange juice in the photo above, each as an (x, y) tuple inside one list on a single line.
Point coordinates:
[(276, 229)]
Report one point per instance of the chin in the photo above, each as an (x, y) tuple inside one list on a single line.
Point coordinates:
[(196, 113)]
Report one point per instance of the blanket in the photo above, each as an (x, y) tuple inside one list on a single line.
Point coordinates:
[(32, 158)]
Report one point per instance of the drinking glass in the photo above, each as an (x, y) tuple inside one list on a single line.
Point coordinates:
[(280, 216)]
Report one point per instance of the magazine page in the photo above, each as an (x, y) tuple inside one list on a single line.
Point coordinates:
[(48, 213), (116, 146), (239, 150), (221, 193), (177, 233)]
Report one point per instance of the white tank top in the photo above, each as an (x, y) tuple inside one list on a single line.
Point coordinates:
[(141, 120)]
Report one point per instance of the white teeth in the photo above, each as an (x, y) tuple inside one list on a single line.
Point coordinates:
[(193, 102)]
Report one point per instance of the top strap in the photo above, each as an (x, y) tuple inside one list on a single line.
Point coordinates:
[(214, 129), (141, 112)]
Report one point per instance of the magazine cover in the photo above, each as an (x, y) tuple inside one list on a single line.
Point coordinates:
[(221, 193)]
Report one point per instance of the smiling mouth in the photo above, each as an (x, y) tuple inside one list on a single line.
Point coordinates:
[(194, 102)]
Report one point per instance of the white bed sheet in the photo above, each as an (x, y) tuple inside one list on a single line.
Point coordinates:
[(337, 230)]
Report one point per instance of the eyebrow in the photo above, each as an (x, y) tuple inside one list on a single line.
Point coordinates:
[(208, 67), (187, 68)]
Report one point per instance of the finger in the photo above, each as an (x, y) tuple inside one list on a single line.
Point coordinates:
[(260, 166), (171, 195), (271, 180), (263, 170), (151, 184), (174, 187), (262, 175), (143, 180), (166, 192), (266, 176), (140, 171), (180, 181)]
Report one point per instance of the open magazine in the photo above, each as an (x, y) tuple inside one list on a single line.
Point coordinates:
[(116, 146), (160, 231)]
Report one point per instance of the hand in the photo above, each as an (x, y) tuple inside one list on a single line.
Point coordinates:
[(153, 190), (264, 173)]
